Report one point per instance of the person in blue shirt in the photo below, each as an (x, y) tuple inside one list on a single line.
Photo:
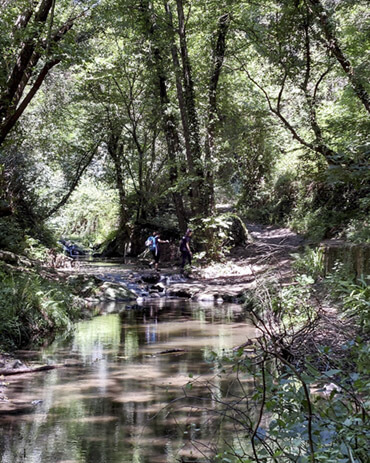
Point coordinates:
[(155, 248)]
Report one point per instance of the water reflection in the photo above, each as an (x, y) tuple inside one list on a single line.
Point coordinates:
[(118, 398)]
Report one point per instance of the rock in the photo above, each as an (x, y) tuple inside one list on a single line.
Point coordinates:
[(159, 287), (205, 297), (154, 296), (238, 231), (17, 364), (152, 277), (116, 292), (179, 293), (36, 402)]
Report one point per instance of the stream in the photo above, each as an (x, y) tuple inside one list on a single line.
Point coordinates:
[(119, 398)]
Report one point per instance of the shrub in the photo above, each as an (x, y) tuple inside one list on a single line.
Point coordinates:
[(311, 262), (32, 307), (215, 236)]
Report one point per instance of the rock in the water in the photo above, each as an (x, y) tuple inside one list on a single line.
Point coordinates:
[(17, 364), (116, 292), (154, 296), (205, 297), (151, 277)]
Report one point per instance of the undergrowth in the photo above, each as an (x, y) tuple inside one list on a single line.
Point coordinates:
[(306, 399), (32, 308)]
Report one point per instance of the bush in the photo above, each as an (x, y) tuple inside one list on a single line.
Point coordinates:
[(11, 235), (352, 296), (292, 406), (215, 236), (311, 262), (31, 308)]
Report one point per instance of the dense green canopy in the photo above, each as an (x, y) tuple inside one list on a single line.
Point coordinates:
[(179, 105)]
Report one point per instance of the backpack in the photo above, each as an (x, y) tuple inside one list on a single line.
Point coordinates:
[(150, 243), (182, 244)]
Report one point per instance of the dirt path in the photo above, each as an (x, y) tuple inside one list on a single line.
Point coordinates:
[(267, 256)]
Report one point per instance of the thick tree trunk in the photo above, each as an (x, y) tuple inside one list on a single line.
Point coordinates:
[(173, 146), (182, 106), (169, 123), (200, 203), (115, 149), (217, 62)]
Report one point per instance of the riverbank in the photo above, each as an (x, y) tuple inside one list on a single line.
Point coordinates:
[(302, 339), (266, 257)]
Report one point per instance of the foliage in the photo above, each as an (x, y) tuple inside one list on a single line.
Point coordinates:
[(288, 404), (357, 231), (11, 235), (311, 262), (35, 249), (31, 308), (302, 425), (216, 235), (90, 215), (279, 127), (353, 296)]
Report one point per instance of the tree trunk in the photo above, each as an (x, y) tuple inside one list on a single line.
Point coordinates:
[(169, 123), (173, 146), (30, 53), (115, 149), (200, 202), (182, 106), (24, 61), (217, 62)]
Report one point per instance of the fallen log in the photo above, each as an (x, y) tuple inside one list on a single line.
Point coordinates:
[(249, 342), (22, 371), (170, 351)]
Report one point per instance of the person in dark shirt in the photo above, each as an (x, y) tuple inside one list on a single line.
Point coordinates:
[(186, 253)]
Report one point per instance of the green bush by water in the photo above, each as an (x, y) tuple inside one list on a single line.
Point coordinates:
[(31, 308)]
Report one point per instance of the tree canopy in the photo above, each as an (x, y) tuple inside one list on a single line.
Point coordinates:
[(180, 105)]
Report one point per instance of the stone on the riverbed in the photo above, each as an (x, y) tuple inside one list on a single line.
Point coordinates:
[(179, 292), (154, 295), (158, 287), (17, 364), (116, 292), (205, 297), (151, 277)]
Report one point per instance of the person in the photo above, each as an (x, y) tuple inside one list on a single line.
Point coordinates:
[(185, 248), (155, 249)]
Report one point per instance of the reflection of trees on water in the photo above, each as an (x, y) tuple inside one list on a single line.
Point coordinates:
[(113, 405), (94, 336)]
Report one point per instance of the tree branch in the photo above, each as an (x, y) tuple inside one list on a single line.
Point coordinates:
[(82, 166)]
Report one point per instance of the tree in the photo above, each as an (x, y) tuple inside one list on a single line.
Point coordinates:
[(34, 35), (332, 43)]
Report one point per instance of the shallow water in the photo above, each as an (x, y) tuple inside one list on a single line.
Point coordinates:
[(118, 399)]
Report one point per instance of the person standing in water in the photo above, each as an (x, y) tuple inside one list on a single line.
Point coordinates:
[(156, 248), (185, 250)]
